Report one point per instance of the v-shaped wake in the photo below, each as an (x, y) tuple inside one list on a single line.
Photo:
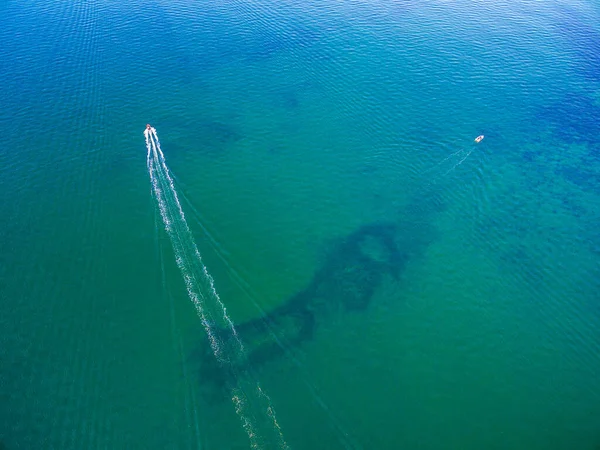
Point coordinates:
[(251, 403)]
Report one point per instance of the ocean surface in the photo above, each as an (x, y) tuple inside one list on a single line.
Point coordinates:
[(308, 250)]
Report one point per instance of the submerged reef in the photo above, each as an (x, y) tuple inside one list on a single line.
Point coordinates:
[(346, 281)]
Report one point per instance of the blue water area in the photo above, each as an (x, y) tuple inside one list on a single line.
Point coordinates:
[(308, 249)]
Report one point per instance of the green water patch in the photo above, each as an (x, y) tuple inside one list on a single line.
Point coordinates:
[(352, 270)]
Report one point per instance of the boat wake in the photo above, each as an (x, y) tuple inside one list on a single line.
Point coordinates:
[(451, 162), (252, 405), (440, 170)]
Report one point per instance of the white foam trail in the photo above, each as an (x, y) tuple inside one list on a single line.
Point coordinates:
[(208, 277), (193, 293), (191, 409), (148, 147), (456, 153), (201, 291), (459, 162), (452, 161)]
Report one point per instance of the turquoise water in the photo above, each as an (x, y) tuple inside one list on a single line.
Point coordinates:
[(392, 283)]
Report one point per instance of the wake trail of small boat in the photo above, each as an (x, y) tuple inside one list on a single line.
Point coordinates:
[(191, 409), (247, 289), (247, 396), (436, 173), (462, 159), (455, 155), (207, 276)]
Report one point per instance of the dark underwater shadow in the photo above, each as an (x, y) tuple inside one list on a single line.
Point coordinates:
[(345, 282), (584, 40), (267, 43), (585, 178), (290, 96), (216, 137), (573, 119), (352, 270), (209, 137)]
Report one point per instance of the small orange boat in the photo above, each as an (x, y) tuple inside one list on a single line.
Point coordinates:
[(479, 138)]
